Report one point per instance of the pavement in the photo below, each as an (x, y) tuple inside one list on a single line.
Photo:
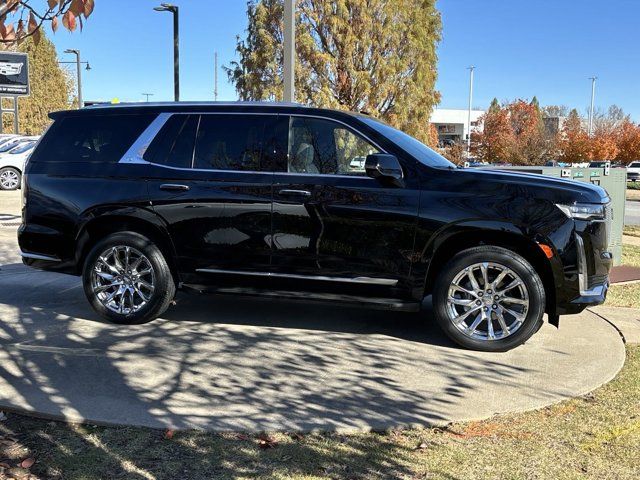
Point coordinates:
[(632, 212), (224, 363)]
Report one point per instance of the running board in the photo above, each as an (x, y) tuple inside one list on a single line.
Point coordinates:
[(395, 304)]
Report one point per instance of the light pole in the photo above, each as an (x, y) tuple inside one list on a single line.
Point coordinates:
[(79, 73), (167, 7), (593, 97), (148, 95), (471, 69), (289, 50)]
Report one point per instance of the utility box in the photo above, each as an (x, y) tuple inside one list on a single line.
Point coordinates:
[(613, 180)]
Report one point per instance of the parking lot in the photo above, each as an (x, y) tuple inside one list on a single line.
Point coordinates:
[(225, 363)]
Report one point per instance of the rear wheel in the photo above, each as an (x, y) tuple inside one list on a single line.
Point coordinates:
[(489, 298), (127, 279), (10, 179)]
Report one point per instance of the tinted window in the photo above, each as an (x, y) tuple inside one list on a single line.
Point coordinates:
[(412, 146), (326, 147), (173, 145), (230, 142), (5, 147), (97, 138)]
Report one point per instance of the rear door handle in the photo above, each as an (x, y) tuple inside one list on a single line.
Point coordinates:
[(174, 187), (295, 193)]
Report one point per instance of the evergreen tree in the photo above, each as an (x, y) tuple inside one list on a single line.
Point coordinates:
[(373, 55)]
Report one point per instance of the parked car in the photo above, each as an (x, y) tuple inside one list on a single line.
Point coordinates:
[(12, 163), (597, 164), (633, 172), (266, 199)]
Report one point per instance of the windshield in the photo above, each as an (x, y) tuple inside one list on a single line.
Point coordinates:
[(23, 147), (411, 145)]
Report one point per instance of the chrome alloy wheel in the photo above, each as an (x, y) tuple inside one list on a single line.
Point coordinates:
[(123, 279), (487, 301), (9, 180)]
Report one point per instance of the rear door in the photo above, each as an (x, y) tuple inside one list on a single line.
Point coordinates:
[(332, 224), (211, 181)]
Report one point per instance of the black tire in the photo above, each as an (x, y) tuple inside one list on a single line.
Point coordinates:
[(501, 256), (13, 172), (164, 284)]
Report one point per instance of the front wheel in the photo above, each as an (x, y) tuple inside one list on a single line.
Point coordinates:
[(127, 279), (489, 298), (10, 179)]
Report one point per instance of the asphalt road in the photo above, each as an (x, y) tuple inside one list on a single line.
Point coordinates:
[(632, 213), (224, 363)]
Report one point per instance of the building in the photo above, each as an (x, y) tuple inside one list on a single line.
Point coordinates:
[(451, 124)]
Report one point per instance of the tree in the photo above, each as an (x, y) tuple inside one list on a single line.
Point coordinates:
[(574, 143), (433, 140), (20, 19), (51, 88), (493, 143), (512, 133), (628, 142), (377, 56)]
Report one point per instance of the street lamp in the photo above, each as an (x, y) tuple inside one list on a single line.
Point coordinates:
[(167, 7), (289, 67), (593, 97), (148, 95), (78, 63), (471, 69)]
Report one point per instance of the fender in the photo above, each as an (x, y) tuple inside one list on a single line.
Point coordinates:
[(130, 214), (471, 232)]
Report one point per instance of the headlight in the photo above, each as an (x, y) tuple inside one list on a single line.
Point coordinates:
[(583, 211)]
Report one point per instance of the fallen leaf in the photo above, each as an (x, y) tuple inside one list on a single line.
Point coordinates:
[(168, 434), (242, 436), (27, 462), (265, 441), (422, 446)]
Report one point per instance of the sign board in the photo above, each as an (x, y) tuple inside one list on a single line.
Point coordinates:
[(14, 74), (566, 172)]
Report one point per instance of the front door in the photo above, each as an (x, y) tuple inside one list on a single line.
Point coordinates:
[(332, 224), (211, 181)]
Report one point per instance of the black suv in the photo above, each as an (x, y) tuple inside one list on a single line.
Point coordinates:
[(284, 200)]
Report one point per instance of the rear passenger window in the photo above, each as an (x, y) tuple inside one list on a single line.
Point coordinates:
[(97, 138), (230, 142), (174, 143)]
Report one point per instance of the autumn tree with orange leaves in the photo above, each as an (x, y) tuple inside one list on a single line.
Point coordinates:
[(574, 143), (513, 133), (20, 19), (628, 142)]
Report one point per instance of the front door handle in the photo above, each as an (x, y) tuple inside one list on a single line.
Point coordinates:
[(174, 187), (295, 193)]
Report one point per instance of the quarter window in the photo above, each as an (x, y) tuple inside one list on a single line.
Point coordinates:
[(174, 143), (229, 142), (318, 146), (92, 138)]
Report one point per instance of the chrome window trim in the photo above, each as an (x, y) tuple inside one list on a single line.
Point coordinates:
[(363, 280), (135, 153)]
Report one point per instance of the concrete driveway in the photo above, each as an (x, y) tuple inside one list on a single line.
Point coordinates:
[(236, 364)]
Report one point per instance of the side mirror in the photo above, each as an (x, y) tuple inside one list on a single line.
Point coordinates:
[(384, 167)]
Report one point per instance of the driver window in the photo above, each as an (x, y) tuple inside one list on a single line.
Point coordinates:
[(318, 146)]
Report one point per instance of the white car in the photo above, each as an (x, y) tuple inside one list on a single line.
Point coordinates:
[(633, 171), (10, 68), (12, 163)]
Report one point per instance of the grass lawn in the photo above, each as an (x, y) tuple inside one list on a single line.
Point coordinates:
[(627, 295), (632, 230), (597, 436)]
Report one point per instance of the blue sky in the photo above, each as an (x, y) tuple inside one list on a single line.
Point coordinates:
[(520, 48)]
